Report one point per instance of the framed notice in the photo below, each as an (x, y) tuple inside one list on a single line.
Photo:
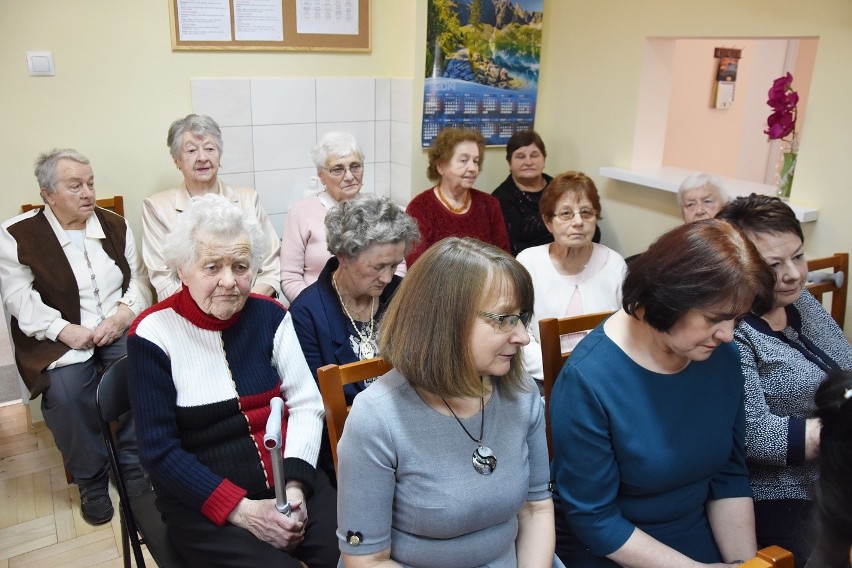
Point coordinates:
[(270, 25)]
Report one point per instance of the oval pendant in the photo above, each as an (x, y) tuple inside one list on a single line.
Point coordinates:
[(367, 351), (484, 461)]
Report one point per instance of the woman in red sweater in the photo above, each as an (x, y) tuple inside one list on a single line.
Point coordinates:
[(452, 208)]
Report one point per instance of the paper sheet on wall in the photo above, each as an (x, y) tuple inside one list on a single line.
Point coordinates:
[(258, 20), (327, 17), (204, 20)]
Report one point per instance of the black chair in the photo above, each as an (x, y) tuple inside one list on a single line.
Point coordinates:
[(140, 520)]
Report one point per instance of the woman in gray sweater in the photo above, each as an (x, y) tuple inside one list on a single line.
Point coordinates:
[(443, 461)]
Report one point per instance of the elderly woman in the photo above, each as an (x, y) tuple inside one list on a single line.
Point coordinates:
[(520, 193), (647, 415), (204, 365), (572, 275), (443, 461), (337, 317), (834, 492), (72, 282), (195, 143), (340, 168), (786, 353), (700, 196), (453, 208)]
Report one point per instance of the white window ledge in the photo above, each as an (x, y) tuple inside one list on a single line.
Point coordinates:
[(669, 178)]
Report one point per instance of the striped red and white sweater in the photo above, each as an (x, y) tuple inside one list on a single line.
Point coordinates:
[(200, 389)]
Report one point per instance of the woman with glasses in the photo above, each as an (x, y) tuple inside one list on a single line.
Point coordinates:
[(337, 317), (647, 414), (340, 167), (195, 143), (443, 461), (572, 275), (453, 208), (786, 354)]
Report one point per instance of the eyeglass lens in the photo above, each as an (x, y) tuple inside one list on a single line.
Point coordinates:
[(338, 171), (568, 215)]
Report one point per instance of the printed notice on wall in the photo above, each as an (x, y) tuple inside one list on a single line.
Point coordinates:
[(339, 17), (204, 20), (258, 20)]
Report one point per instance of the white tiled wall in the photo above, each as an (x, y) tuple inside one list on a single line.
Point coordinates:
[(270, 125)]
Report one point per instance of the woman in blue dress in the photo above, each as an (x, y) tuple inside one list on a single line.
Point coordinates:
[(647, 415)]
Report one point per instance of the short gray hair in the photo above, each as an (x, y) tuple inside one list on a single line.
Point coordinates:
[(45, 166), (354, 225), (335, 145), (198, 124), (700, 179), (213, 215)]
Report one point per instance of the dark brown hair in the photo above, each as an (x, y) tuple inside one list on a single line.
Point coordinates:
[(833, 528), (425, 332), (700, 265), (577, 184), (444, 145), (521, 139), (761, 214)]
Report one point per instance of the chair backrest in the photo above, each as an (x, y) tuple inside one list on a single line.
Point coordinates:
[(332, 379), (113, 399), (839, 262), (140, 518), (770, 557), (115, 203), (552, 358)]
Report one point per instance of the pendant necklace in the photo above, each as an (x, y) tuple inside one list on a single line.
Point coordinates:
[(484, 461), (368, 340)]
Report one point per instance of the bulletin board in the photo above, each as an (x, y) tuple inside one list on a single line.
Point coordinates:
[(264, 25)]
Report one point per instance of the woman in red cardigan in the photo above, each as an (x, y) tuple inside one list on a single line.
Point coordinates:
[(452, 208)]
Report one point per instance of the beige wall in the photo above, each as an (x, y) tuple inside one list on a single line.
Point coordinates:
[(590, 82), (119, 85)]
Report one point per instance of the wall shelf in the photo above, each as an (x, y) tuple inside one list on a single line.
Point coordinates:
[(668, 178)]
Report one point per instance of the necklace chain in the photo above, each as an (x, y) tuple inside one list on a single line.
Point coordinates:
[(481, 424), (366, 339), (446, 203)]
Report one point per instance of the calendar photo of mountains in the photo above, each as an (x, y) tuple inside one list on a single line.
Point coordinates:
[(489, 42)]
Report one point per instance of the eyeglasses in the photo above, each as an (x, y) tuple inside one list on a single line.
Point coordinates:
[(507, 322), (568, 215), (338, 171)]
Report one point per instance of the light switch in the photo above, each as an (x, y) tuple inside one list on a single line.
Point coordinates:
[(40, 63)]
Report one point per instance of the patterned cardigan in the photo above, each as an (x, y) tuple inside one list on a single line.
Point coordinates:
[(782, 372)]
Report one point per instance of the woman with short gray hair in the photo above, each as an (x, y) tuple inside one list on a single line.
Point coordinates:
[(195, 143), (701, 196), (340, 169), (204, 365), (336, 318)]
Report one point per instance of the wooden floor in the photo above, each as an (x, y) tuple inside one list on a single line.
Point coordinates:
[(40, 522)]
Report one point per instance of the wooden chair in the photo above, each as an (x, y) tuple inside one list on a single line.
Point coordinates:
[(770, 557), (839, 263), (115, 203), (552, 358), (332, 379)]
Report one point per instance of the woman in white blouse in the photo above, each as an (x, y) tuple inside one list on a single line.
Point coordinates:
[(572, 275)]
